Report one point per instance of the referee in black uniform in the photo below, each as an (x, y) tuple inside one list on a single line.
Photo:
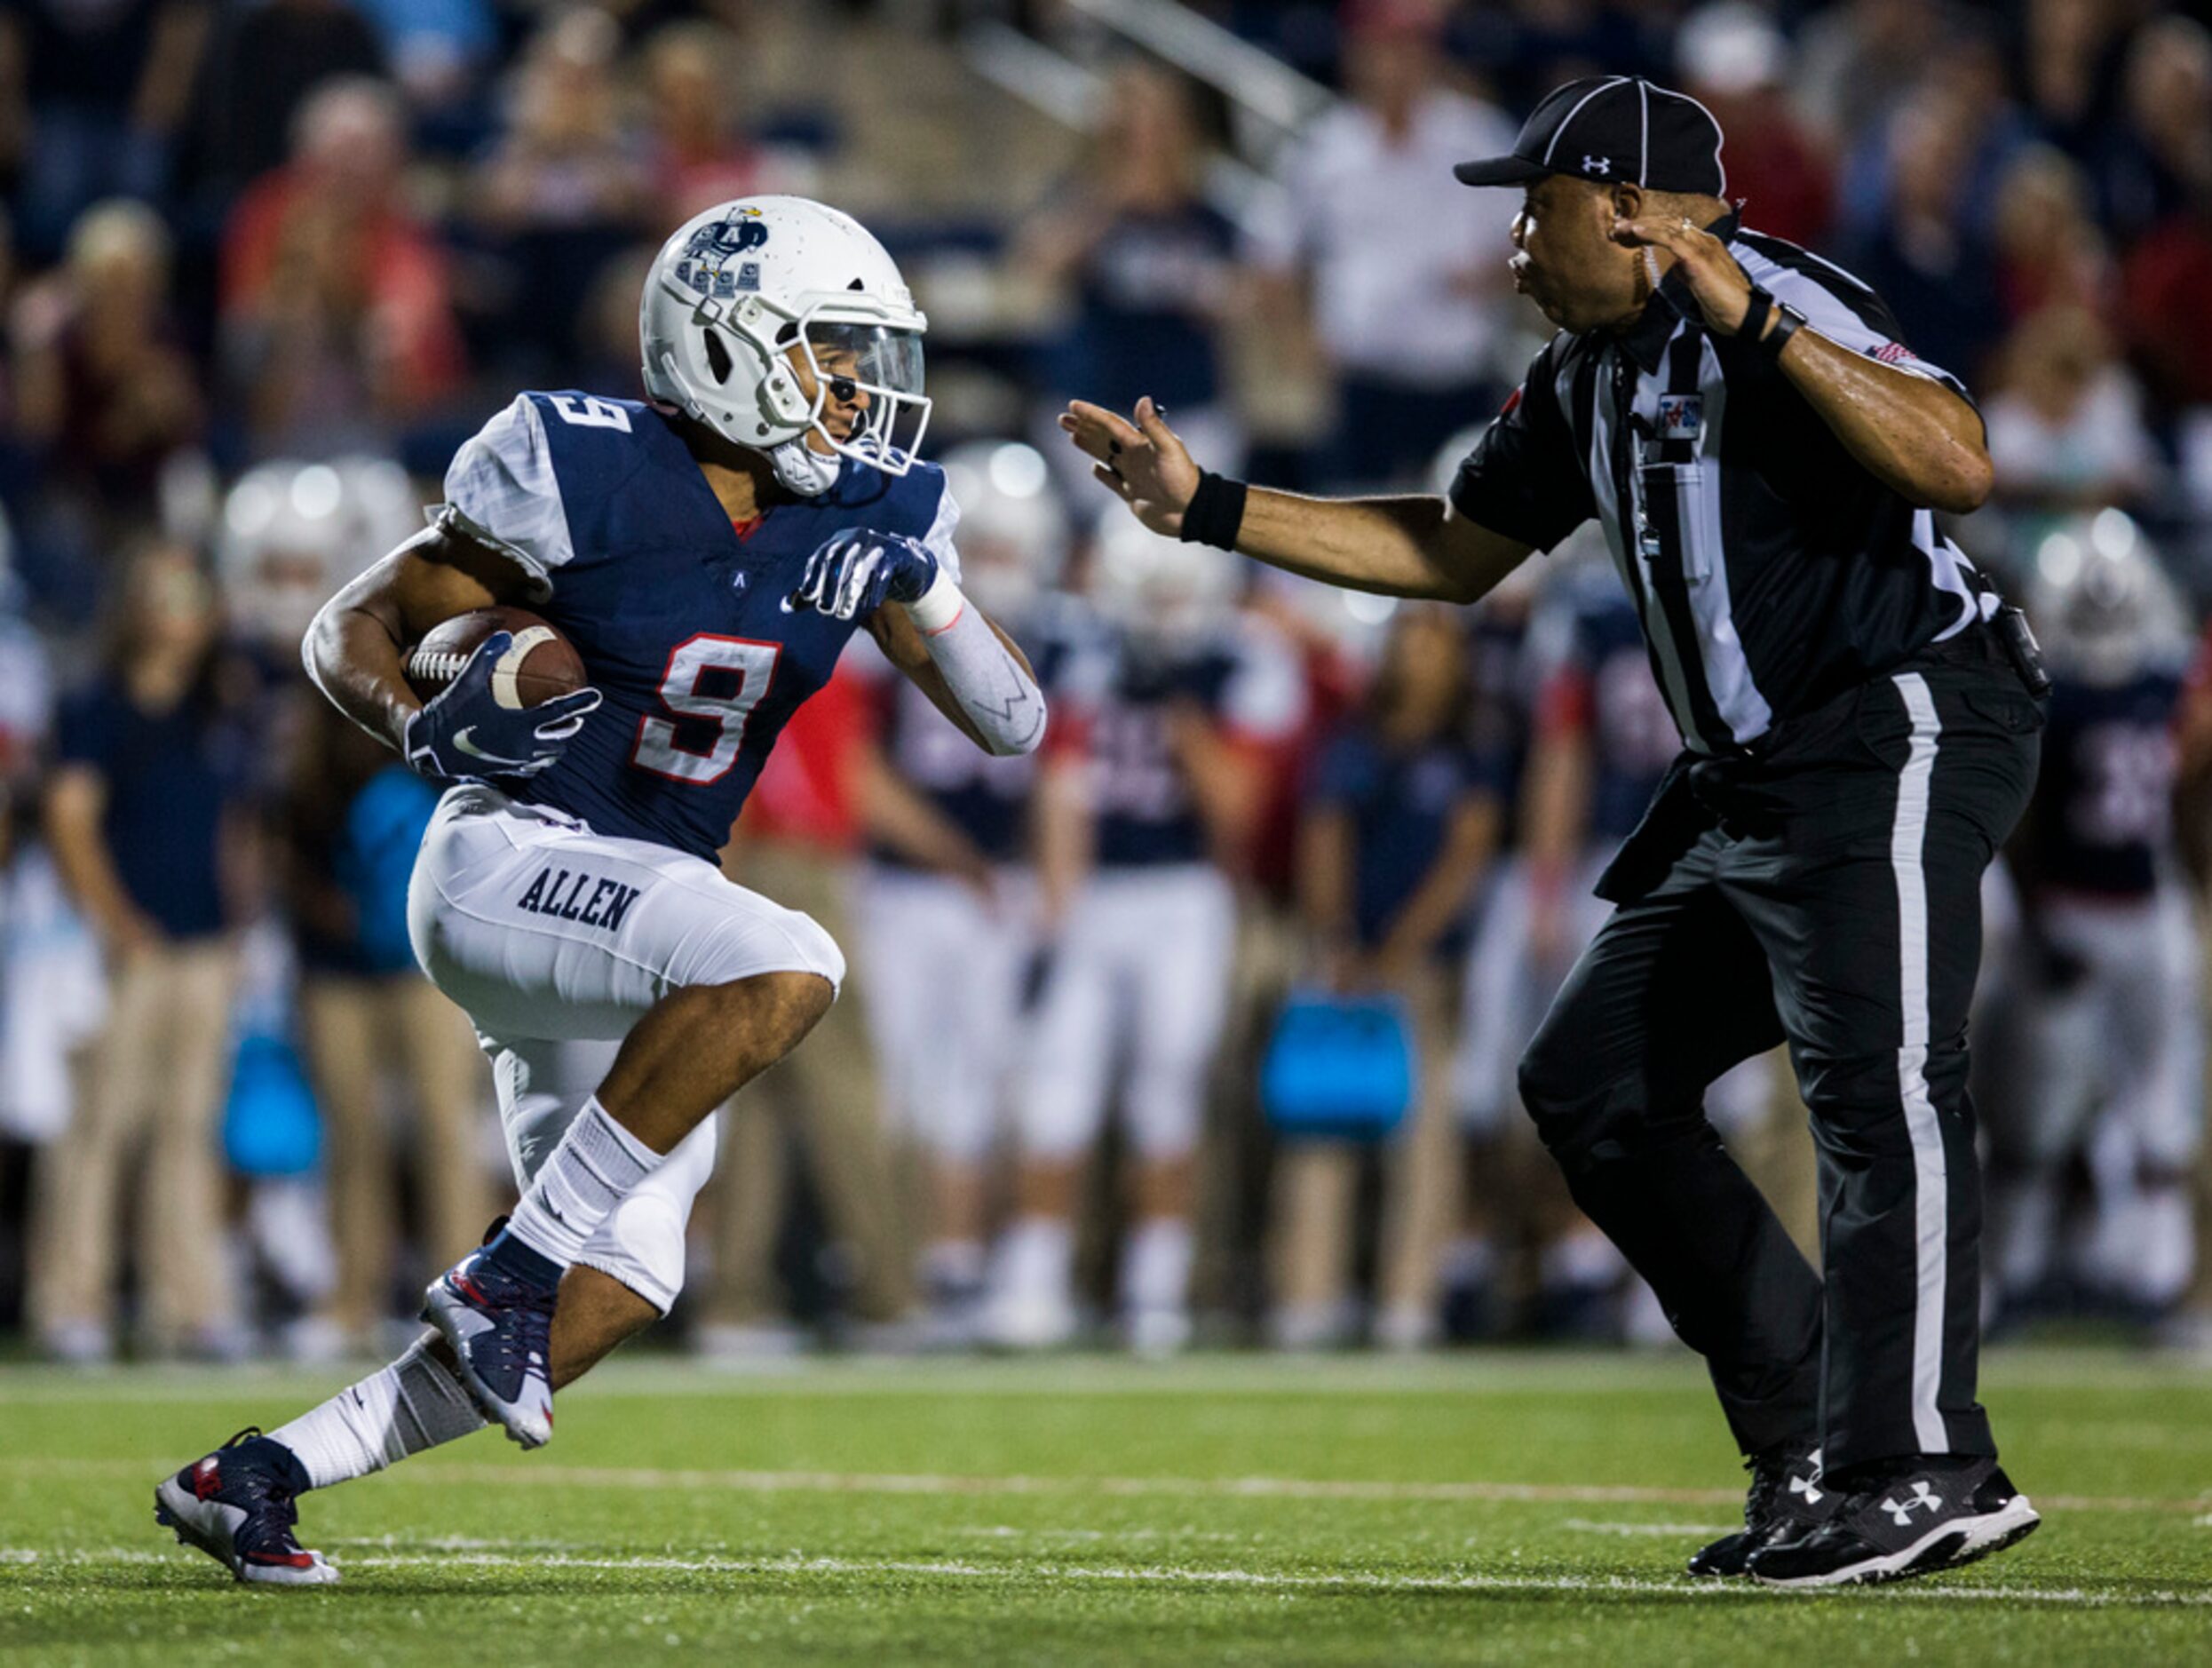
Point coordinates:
[(1860, 716)]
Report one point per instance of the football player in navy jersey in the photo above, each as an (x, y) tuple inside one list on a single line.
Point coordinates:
[(2110, 1052), (948, 922), (1152, 787), (708, 552)]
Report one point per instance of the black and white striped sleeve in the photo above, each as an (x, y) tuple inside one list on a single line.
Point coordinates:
[(1837, 305), (1525, 478)]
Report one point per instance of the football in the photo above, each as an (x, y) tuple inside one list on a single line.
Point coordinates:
[(541, 664)]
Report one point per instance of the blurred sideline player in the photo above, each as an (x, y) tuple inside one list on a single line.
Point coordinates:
[(1600, 737), (708, 555), (947, 915), (798, 842), (2109, 1054), (351, 819), (1152, 790)]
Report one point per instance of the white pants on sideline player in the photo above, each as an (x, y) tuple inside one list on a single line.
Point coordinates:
[(555, 940), (943, 968), (1141, 971), (2113, 1060)]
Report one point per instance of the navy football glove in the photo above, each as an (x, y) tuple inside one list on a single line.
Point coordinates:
[(465, 734), (856, 573)]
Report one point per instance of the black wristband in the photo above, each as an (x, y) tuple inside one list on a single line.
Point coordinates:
[(1215, 512), (1787, 320), (1755, 316)]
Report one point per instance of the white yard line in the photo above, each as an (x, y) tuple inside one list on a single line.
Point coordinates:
[(543, 1473), (1028, 1573)]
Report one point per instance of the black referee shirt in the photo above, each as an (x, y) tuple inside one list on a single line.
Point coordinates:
[(1771, 570)]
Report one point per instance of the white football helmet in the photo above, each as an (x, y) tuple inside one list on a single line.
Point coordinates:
[(2103, 606), (1163, 589), (735, 288), (1013, 530), (293, 533)]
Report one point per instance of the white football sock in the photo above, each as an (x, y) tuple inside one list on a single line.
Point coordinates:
[(1156, 1265), (595, 1166), (1037, 1259), (2165, 1243), (413, 1404)]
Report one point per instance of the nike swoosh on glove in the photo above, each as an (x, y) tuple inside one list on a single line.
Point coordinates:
[(856, 573), (466, 735)]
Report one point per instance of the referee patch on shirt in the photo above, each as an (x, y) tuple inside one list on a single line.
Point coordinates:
[(1680, 415)]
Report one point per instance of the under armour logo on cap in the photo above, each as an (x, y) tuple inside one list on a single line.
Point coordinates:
[(1613, 128)]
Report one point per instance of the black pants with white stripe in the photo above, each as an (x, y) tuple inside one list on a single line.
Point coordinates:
[(1827, 893)]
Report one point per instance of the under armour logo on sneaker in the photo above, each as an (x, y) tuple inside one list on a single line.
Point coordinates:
[(1596, 164), (1921, 1495), (1809, 1488)]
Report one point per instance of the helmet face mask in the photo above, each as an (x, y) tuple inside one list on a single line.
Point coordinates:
[(874, 372), (783, 326)]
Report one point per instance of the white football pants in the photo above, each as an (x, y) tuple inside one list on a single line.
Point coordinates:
[(944, 967), (555, 940), (1141, 971)]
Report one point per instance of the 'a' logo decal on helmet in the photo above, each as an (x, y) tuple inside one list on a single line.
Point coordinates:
[(708, 264)]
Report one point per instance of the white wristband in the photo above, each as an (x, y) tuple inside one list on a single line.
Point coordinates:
[(938, 607)]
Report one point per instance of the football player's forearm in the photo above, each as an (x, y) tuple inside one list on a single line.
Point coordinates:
[(1393, 547), (358, 662), (983, 671)]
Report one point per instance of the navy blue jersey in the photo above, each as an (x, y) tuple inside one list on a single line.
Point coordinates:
[(1146, 814), (1147, 297), (1402, 802), (1499, 720), (1595, 679), (2102, 819), (678, 616), (986, 798)]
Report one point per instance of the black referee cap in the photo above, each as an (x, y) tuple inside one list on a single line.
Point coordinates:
[(1612, 128)]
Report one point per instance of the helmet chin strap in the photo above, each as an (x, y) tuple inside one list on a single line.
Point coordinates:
[(802, 470)]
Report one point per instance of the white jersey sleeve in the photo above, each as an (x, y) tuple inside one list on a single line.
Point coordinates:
[(500, 490), (937, 540), (1836, 304)]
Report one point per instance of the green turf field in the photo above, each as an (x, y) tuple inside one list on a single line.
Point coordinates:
[(1508, 1509)]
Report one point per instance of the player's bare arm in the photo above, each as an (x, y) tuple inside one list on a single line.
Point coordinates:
[(1916, 436), (1410, 546), (903, 819), (356, 650), (1223, 776)]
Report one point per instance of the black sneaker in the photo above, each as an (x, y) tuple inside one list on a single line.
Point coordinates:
[(1785, 1498), (1913, 1518)]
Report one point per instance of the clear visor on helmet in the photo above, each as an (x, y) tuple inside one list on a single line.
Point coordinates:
[(868, 404)]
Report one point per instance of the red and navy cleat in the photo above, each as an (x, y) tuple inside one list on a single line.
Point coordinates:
[(501, 1329), (236, 1505)]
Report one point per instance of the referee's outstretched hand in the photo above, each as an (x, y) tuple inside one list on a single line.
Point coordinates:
[(1721, 287), (1142, 463)]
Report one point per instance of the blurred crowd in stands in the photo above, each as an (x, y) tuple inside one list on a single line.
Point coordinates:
[(264, 265)]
